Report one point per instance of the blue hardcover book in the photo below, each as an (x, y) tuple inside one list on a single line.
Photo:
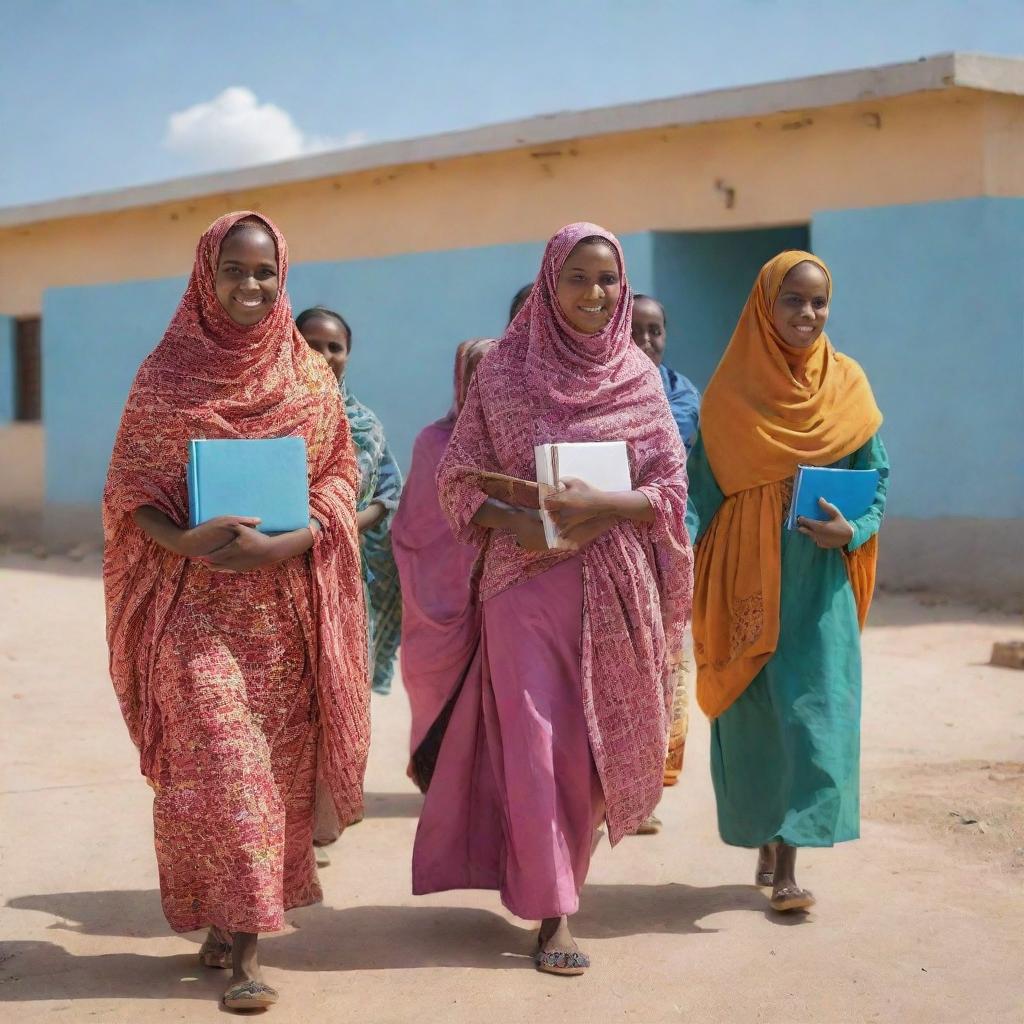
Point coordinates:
[(264, 478), (851, 491)]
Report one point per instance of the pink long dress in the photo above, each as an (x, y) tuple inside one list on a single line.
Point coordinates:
[(440, 614), (516, 797)]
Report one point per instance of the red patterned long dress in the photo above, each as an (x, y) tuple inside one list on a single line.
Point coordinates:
[(235, 686)]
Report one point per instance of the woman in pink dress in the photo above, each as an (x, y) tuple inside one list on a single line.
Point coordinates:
[(563, 717), (440, 612)]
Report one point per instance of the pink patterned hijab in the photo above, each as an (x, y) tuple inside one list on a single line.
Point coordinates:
[(212, 378), (464, 355), (547, 382)]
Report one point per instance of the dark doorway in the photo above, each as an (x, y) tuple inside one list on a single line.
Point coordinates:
[(28, 370)]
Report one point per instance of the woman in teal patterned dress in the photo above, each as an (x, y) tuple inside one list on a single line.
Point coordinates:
[(328, 333), (381, 486), (778, 613)]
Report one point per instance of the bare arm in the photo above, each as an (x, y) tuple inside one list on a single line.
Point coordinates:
[(194, 543), (496, 515), (578, 503), (523, 522), (228, 542), (370, 516), (632, 505)]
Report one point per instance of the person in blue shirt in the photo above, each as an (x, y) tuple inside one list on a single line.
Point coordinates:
[(650, 333)]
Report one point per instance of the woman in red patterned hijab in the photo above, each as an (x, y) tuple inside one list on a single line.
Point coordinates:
[(566, 721), (238, 659)]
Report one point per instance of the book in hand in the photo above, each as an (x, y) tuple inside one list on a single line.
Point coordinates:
[(264, 478), (507, 489), (851, 491), (602, 464)]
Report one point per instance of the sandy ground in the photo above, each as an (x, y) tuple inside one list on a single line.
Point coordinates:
[(921, 921)]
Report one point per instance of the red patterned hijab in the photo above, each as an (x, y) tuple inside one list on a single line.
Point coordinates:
[(212, 378)]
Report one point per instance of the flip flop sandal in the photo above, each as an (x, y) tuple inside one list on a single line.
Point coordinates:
[(561, 962), (791, 897), (250, 995), (649, 827), (215, 953), (323, 858), (765, 879)]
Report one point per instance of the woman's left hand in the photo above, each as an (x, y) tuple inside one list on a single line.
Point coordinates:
[(574, 504), (249, 550), (587, 531), (836, 532)]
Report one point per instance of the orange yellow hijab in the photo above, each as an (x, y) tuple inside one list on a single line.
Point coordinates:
[(768, 408)]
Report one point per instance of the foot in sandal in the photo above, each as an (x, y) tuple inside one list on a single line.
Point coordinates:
[(557, 952), (764, 874), (248, 990), (786, 894), (216, 949), (650, 826)]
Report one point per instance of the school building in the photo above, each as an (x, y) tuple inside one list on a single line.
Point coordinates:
[(907, 179)]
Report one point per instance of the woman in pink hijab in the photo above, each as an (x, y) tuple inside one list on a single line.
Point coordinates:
[(440, 612), (563, 718)]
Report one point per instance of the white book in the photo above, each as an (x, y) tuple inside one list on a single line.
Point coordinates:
[(602, 464)]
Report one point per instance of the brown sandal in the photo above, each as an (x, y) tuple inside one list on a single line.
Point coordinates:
[(559, 961), (215, 953), (250, 995), (562, 962), (791, 897)]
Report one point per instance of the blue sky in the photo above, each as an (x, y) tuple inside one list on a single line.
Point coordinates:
[(98, 94)]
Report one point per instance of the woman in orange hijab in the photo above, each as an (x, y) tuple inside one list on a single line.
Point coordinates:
[(777, 613)]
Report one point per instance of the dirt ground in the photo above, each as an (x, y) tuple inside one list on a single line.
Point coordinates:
[(921, 922)]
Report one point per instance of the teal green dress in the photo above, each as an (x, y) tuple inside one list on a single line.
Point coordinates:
[(785, 757), (381, 482)]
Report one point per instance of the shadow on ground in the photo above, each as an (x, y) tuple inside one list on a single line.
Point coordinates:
[(32, 971), (618, 911), (134, 913), (330, 939), (393, 805)]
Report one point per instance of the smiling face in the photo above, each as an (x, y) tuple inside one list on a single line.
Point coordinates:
[(327, 336), (589, 285), (649, 328), (247, 282), (801, 310)]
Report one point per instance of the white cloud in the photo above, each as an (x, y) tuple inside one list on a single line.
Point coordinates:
[(234, 129)]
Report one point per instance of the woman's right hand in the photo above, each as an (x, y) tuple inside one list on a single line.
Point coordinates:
[(204, 539)]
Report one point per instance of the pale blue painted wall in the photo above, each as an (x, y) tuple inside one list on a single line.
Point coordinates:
[(407, 313), (929, 298), (93, 340), (703, 279), (6, 369)]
